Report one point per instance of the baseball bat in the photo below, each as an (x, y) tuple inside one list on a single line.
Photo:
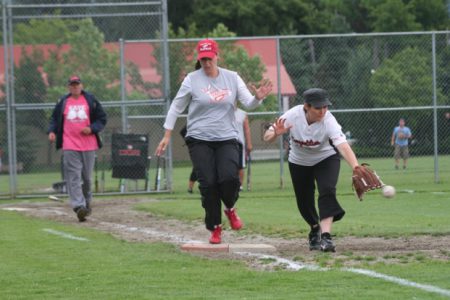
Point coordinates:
[(163, 166), (158, 173), (249, 172), (147, 174)]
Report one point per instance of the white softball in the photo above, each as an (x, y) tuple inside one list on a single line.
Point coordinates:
[(388, 191)]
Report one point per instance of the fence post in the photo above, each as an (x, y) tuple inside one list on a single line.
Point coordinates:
[(435, 128)]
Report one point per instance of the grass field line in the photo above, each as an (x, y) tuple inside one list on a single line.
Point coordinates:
[(65, 235), (400, 281), (150, 232), (285, 263), (295, 266)]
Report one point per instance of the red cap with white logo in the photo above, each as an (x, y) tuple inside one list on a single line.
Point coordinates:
[(207, 48)]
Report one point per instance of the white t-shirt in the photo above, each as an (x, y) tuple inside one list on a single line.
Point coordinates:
[(240, 119), (212, 103), (310, 144)]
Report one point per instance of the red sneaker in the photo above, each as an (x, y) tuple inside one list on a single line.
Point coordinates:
[(216, 235), (234, 219)]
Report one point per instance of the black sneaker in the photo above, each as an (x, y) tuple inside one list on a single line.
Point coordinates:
[(314, 238), (82, 212), (326, 244)]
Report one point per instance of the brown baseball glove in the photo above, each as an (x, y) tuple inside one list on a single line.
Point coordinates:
[(364, 180)]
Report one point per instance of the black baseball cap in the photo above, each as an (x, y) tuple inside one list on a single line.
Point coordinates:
[(74, 79), (316, 97)]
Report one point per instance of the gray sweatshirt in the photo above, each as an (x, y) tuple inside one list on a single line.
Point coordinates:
[(211, 103)]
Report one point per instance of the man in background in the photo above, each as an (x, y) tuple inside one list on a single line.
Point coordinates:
[(399, 140), (76, 121)]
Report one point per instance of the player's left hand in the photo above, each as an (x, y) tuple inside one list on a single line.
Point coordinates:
[(265, 87), (364, 180)]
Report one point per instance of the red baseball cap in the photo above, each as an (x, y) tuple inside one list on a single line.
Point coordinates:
[(207, 48), (74, 79)]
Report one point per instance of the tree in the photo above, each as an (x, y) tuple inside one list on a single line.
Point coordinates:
[(431, 14), (443, 61), (281, 17), (98, 66), (29, 87), (355, 89), (392, 15), (261, 17), (298, 57), (50, 31), (404, 80), (354, 12), (87, 56)]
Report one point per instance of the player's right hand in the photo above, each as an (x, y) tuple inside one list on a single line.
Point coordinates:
[(51, 137), (280, 128)]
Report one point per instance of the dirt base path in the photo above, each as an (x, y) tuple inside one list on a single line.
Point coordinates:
[(118, 218)]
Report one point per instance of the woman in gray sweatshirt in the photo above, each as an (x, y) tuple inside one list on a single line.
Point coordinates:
[(212, 93)]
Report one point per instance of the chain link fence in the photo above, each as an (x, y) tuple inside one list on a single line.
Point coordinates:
[(374, 81), (118, 50), (43, 44)]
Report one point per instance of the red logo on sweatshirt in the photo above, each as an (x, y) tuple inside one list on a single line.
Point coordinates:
[(216, 95)]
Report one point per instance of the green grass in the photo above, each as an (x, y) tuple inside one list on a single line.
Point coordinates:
[(35, 264), (39, 265)]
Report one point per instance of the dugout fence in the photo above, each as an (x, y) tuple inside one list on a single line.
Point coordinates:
[(119, 50)]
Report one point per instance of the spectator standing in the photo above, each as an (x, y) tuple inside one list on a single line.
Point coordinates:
[(75, 123), (400, 138)]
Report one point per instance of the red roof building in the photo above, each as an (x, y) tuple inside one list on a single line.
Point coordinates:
[(141, 55)]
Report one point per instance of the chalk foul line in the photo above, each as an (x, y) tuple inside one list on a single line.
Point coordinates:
[(64, 235), (295, 266)]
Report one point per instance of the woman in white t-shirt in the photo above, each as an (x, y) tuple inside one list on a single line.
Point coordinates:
[(316, 140)]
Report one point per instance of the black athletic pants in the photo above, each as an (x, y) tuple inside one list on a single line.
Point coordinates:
[(304, 179), (217, 166)]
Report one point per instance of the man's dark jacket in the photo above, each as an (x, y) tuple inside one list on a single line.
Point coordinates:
[(97, 117)]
